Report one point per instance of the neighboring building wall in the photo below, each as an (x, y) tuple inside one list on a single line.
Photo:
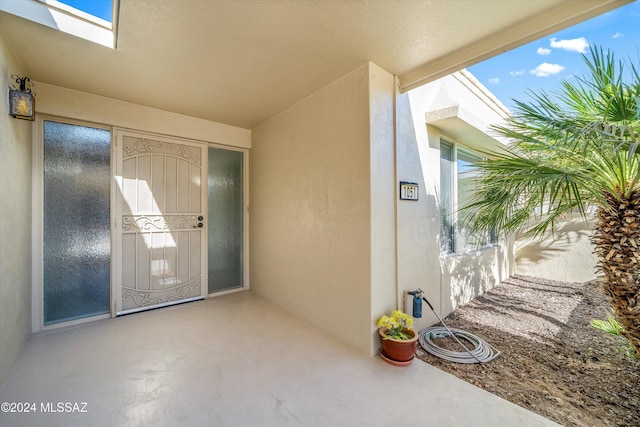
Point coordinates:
[(566, 254), (15, 221), (459, 108), (322, 215)]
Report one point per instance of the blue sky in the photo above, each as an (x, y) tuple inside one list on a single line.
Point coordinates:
[(99, 8), (543, 64)]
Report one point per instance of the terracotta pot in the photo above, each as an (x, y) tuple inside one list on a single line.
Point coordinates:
[(402, 351)]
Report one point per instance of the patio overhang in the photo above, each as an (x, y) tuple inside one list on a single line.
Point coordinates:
[(240, 63), (558, 16)]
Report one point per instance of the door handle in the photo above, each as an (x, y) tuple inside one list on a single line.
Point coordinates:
[(200, 225)]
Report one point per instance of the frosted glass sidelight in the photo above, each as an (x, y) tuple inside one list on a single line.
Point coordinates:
[(225, 220), (77, 244)]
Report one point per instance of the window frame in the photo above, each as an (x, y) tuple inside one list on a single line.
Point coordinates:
[(446, 203), (456, 243)]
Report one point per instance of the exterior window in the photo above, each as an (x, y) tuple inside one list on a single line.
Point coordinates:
[(447, 171), (456, 190)]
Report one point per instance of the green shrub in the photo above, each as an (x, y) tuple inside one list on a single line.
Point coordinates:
[(612, 327)]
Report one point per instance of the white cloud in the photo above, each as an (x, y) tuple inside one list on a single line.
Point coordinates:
[(494, 81), (516, 73), (617, 35), (543, 51), (545, 69), (574, 45)]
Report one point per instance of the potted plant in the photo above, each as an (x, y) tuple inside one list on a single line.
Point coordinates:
[(397, 338)]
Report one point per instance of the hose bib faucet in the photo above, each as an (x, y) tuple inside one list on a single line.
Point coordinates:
[(417, 302)]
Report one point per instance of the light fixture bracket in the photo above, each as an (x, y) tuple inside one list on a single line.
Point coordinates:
[(21, 101)]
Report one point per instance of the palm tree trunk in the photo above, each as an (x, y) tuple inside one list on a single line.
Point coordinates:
[(617, 242)]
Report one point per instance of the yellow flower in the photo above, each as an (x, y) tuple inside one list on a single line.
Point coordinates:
[(382, 322), (396, 323)]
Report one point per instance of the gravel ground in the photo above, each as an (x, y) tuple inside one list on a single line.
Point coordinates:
[(552, 362)]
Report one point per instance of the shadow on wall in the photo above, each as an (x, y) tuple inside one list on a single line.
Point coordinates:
[(466, 276), (418, 160), (566, 254)]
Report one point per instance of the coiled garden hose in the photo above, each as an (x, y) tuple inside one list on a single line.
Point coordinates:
[(481, 353)]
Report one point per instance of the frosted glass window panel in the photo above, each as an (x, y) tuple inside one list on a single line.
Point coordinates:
[(77, 244), (225, 220)]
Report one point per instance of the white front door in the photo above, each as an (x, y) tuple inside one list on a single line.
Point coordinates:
[(160, 221)]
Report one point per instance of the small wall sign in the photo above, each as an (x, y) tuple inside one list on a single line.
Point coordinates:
[(408, 190)]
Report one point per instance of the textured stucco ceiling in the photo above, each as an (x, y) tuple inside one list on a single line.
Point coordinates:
[(240, 62)]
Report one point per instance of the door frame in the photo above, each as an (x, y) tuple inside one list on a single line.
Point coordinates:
[(116, 211), (37, 218)]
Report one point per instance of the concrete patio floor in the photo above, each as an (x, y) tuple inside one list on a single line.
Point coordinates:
[(235, 360)]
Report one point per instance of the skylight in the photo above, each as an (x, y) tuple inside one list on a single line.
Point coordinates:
[(91, 20)]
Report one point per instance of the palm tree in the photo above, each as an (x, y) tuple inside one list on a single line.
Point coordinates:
[(575, 152)]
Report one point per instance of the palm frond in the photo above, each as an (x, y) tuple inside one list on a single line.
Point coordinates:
[(567, 153)]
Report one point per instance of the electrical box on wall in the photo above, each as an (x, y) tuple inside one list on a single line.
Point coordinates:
[(408, 190)]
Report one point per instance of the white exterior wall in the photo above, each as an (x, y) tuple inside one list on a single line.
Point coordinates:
[(383, 194), (322, 216), (464, 112), (67, 103), (326, 244), (418, 160), (566, 254), (15, 221)]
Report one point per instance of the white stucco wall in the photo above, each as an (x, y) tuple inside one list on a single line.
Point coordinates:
[(465, 276), (464, 111), (321, 212), (383, 195), (63, 102), (418, 160), (566, 254), (15, 221), (330, 258)]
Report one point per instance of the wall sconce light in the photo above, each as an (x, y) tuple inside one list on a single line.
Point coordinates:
[(21, 102)]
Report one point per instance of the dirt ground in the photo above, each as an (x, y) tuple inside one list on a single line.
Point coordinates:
[(552, 362)]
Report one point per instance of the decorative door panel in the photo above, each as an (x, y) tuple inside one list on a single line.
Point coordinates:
[(162, 223)]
